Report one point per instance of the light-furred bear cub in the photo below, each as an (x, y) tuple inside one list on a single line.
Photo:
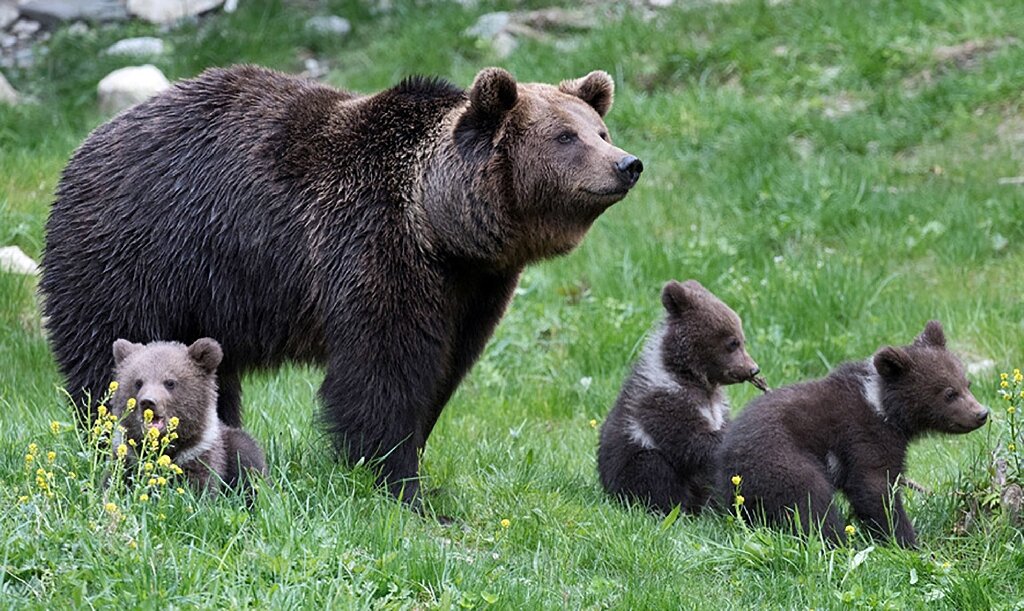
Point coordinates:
[(173, 380), (849, 431), (658, 443)]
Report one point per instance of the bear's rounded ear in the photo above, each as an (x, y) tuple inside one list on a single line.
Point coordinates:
[(206, 353), (494, 92), (932, 335), (891, 362), (123, 349), (596, 89), (678, 297)]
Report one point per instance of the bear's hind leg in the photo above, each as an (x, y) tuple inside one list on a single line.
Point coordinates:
[(229, 396), (651, 480)]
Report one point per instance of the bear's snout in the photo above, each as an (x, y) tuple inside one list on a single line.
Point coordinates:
[(629, 169)]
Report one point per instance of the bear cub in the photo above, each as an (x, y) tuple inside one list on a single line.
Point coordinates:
[(175, 381), (658, 443), (849, 431)]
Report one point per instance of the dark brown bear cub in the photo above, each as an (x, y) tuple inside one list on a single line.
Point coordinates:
[(796, 446), (658, 443), (174, 381)]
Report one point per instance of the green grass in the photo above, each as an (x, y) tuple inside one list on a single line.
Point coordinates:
[(830, 235)]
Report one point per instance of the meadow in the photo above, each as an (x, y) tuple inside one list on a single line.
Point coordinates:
[(836, 171)]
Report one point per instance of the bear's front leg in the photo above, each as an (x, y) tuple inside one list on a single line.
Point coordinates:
[(877, 502), (373, 404)]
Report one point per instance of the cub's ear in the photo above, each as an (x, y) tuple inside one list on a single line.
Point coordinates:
[(891, 362), (493, 94), (123, 349), (206, 353), (932, 335), (678, 297), (596, 89)]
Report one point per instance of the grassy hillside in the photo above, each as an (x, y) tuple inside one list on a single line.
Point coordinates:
[(830, 169)]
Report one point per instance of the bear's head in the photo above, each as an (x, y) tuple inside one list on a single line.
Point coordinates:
[(703, 338), (924, 387), (171, 380), (546, 167)]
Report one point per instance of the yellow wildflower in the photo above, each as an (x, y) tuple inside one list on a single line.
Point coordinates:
[(161, 481), (143, 497), (147, 416), (850, 530), (101, 411), (178, 470), (739, 499), (131, 442), (505, 523), (151, 482), (173, 423), (179, 490), (33, 448), (113, 387), (1011, 410), (131, 403), (593, 423), (736, 479), (55, 427), (1003, 377), (1004, 384), (51, 456), (148, 467), (1017, 376), (29, 458), (153, 432), (72, 474), (110, 508), (1011, 447), (23, 499), (122, 451), (164, 460), (40, 471), (161, 516)]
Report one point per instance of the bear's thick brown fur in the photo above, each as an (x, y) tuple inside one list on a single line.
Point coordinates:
[(659, 441), (380, 236), (796, 446), (174, 381)]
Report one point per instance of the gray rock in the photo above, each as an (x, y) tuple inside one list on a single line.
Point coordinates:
[(7, 41), (329, 24), (7, 93), (144, 45), (165, 12), (25, 28), (489, 25), (14, 261), (8, 13), (54, 12), (129, 86)]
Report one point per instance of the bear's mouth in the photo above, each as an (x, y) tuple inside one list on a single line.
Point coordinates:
[(611, 193), (157, 423)]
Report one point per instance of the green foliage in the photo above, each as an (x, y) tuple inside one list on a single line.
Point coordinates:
[(821, 166)]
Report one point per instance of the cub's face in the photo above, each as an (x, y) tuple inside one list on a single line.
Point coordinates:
[(704, 336), (169, 379), (929, 381), (552, 168)]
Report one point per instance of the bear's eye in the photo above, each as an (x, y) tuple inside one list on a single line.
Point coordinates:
[(604, 136), (733, 345), (138, 384), (566, 138), (169, 384), (950, 394)]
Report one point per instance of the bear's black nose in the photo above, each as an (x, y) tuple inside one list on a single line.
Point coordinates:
[(755, 371), (982, 416), (147, 403), (629, 168)]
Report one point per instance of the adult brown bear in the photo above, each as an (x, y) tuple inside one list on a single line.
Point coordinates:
[(380, 236)]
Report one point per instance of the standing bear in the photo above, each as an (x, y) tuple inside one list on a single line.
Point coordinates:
[(659, 442), (796, 446), (380, 236), (175, 383)]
